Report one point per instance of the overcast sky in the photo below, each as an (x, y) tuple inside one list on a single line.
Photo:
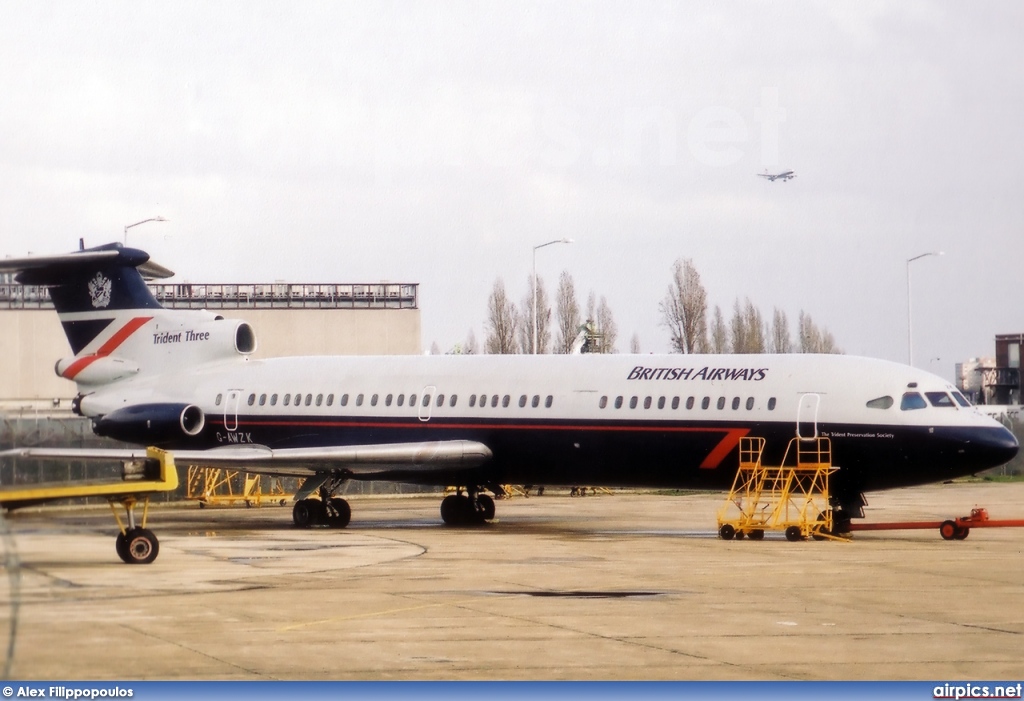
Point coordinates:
[(438, 142)]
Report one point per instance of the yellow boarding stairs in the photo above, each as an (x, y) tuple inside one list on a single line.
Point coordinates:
[(792, 497)]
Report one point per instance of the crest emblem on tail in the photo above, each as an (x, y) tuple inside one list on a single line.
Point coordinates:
[(99, 291)]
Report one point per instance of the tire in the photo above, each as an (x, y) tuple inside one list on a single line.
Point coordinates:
[(794, 534), (726, 532), (302, 513), (142, 547), (486, 506), (451, 513), (948, 530), (121, 545), (756, 534), (961, 533), (340, 513)]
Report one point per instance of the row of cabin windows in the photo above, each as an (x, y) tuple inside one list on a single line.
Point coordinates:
[(439, 401), (705, 403)]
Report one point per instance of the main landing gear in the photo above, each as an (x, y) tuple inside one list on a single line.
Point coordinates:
[(469, 508), (328, 510)]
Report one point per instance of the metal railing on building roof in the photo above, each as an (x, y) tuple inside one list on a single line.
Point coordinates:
[(384, 295)]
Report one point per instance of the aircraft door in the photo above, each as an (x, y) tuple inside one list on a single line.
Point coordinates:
[(426, 403), (231, 399), (807, 416)]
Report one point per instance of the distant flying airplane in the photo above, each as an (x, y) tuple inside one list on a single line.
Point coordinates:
[(783, 176), (186, 381)]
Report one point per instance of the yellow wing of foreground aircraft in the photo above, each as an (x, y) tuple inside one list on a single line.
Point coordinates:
[(185, 381)]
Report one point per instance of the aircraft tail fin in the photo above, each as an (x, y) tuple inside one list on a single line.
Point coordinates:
[(92, 288)]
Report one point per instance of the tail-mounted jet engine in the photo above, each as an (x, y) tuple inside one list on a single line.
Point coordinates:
[(151, 424)]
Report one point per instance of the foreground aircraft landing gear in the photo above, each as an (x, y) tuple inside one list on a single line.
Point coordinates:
[(326, 511), (467, 509)]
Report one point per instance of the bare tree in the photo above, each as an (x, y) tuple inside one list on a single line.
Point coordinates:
[(719, 333), (502, 321), (747, 327), (634, 344), (567, 311), (606, 328), (543, 319), (780, 341), (684, 309), (814, 339), (470, 346)]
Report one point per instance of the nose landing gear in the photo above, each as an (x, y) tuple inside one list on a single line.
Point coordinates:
[(467, 509)]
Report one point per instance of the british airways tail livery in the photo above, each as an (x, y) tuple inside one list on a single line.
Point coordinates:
[(186, 381)]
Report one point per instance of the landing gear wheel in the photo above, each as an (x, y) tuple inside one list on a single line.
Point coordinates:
[(485, 506), (455, 509), (961, 533), (948, 530), (794, 534), (726, 532), (140, 546), (303, 514), (339, 514), (740, 535), (756, 534)]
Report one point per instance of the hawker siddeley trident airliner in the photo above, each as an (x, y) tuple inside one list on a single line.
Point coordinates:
[(186, 381)]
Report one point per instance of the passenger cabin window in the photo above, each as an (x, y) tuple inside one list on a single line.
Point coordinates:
[(319, 399), (632, 402), (273, 400), (940, 399), (522, 401), (359, 400), (505, 400), (401, 399), (689, 402), (618, 402), (219, 398), (536, 401), (602, 404), (647, 402), (911, 401), (309, 399), (344, 400), (750, 403), (472, 401), (373, 400), (412, 400), (426, 400), (880, 403), (705, 403), (771, 404), (388, 399), (721, 403), (440, 400), (675, 402), (263, 399), (330, 399), (252, 399), (287, 399), (661, 402), (548, 401), (454, 399), (735, 403), (494, 401)]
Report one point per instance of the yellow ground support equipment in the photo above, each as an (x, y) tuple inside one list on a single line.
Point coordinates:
[(140, 479), (209, 485), (792, 497)]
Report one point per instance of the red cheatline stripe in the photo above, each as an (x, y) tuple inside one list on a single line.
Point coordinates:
[(108, 347)]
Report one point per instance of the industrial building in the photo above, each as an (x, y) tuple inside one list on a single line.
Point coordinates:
[(994, 380)]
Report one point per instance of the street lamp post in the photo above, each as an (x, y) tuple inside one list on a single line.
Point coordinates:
[(910, 328), (563, 240), (129, 226)]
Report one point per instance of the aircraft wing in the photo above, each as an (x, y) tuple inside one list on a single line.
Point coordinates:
[(363, 460)]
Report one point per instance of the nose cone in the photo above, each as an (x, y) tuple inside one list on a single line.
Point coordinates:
[(997, 446)]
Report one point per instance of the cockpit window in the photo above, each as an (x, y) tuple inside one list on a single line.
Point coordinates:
[(912, 400), (881, 403), (940, 399), (961, 399)]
